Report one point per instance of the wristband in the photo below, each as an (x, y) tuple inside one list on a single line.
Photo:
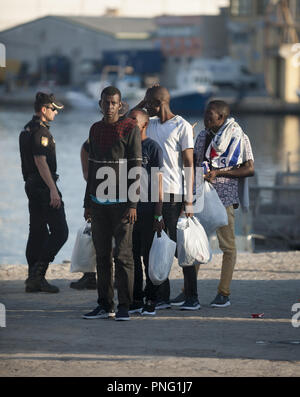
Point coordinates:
[(158, 217)]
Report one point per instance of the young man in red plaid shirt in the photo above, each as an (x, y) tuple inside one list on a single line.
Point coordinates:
[(114, 143)]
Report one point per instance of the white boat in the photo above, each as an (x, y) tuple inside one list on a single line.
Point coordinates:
[(78, 99), (203, 78), (225, 72), (194, 88), (121, 77)]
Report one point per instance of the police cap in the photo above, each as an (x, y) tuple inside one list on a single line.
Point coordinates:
[(42, 99)]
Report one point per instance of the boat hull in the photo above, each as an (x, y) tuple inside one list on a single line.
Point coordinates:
[(189, 103)]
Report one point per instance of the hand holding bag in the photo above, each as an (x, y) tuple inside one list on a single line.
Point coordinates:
[(84, 254), (213, 214), (161, 258), (192, 242)]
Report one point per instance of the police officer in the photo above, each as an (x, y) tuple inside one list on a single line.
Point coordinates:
[(48, 230)]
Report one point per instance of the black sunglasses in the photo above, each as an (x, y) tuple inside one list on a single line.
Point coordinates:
[(52, 108)]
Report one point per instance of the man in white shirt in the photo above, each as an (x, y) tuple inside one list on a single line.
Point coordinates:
[(175, 136)]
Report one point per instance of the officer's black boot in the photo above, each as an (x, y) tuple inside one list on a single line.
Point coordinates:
[(31, 284), (41, 272), (38, 283), (87, 281)]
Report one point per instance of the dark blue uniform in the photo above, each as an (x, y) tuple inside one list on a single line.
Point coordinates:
[(48, 229)]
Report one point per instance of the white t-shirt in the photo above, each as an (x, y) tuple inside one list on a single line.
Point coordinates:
[(174, 136)]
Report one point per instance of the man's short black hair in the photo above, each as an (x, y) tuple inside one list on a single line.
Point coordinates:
[(160, 92), (144, 113), (41, 99), (221, 107), (110, 91)]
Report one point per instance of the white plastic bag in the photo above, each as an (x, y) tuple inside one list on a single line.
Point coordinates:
[(192, 242), (161, 257), (198, 203), (214, 213), (84, 254)]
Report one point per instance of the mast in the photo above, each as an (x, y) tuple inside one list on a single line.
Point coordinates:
[(279, 28)]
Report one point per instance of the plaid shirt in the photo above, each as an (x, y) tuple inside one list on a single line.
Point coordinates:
[(106, 135), (227, 188), (109, 146)]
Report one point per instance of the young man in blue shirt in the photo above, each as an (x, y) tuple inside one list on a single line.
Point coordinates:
[(149, 217)]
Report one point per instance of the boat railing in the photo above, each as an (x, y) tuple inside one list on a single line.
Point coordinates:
[(275, 211), (277, 198)]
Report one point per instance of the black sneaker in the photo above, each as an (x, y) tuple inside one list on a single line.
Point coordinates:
[(190, 305), (87, 281), (99, 313), (122, 315), (162, 305), (220, 301), (136, 307), (149, 309), (179, 300)]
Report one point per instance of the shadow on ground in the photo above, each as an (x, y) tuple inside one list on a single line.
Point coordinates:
[(50, 324)]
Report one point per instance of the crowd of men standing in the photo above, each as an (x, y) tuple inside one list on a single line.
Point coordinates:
[(152, 137)]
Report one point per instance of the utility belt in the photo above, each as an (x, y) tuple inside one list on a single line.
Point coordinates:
[(37, 191)]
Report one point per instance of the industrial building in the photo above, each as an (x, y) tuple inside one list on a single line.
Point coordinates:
[(69, 46)]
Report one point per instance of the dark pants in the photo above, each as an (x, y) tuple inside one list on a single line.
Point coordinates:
[(142, 241), (108, 222), (171, 212), (48, 230)]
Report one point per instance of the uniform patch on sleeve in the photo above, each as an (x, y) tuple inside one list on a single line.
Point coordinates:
[(44, 141)]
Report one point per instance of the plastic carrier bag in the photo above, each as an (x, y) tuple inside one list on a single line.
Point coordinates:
[(84, 254), (192, 242), (198, 203), (214, 213), (161, 258)]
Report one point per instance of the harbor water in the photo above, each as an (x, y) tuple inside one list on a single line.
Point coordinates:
[(275, 142)]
